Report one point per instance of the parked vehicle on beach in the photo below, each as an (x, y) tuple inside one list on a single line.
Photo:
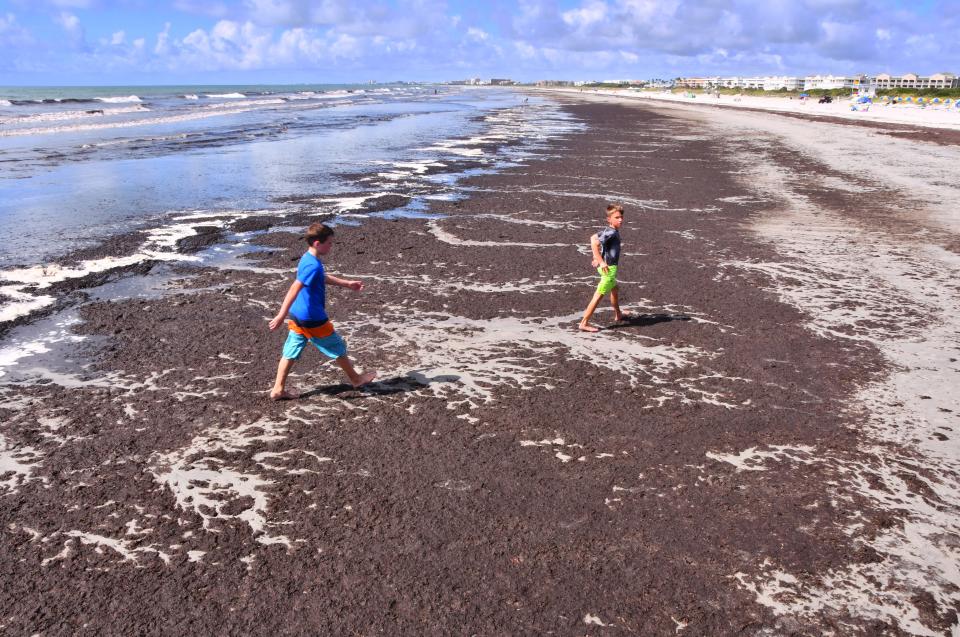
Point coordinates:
[(826, 99)]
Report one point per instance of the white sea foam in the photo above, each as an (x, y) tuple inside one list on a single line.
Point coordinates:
[(210, 111), (184, 470), (454, 150), (17, 460), (754, 459), (59, 116), (5, 103), (119, 100), (21, 284), (191, 96), (226, 96), (127, 549), (447, 237), (16, 350), (475, 357), (234, 107), (344, 204)]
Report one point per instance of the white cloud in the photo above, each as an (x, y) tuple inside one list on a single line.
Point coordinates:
[(592, 12), (11, 33), (477, 35), (163, 41), (525, 50), (282, 12), (345, 46), (202, 7), (69, 22), (71, 25), (526, 38)]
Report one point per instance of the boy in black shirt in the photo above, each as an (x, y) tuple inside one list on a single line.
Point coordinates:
[(605, 246)]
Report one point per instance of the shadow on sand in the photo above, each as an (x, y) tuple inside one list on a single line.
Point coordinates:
[(413, 381), (643, 320)]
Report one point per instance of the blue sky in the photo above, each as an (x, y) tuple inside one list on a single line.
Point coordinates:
[(279, 41)]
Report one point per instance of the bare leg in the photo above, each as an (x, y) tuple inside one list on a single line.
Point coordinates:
[(615, 302), (356, 379), (585, 321), (278, 392)]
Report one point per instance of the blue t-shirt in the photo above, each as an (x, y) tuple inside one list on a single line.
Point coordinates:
[(309, 306), (609, 239)]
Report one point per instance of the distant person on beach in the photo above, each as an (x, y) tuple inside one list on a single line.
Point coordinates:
[(306, 304), (605, 246)]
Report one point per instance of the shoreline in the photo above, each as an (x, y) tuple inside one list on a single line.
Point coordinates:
[(728, 460), (901, 119)]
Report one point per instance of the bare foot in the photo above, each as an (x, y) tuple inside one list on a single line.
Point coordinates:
[(284, 395), (364, 378), (585, 327), (623, 317)]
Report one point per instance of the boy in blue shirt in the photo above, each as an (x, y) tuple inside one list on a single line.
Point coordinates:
[(306, 304), (605, 246)]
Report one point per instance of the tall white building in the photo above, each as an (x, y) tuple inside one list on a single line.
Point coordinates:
[(912, 80), (783, 82), (835, 81)]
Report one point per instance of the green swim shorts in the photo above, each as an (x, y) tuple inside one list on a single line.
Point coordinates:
[(608, 280)]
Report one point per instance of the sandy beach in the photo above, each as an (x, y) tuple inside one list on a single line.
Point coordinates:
[(940, 116), (770, 447)]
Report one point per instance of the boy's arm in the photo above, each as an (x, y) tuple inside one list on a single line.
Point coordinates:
[(288, 300), (356, 286), (598, 261)]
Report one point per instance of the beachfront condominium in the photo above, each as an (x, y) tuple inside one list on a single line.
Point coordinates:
[(914, 81), (823, 82), (772, 82)]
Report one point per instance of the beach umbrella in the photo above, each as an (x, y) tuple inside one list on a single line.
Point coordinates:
[(804, 95), (864, 100), (909, 99)]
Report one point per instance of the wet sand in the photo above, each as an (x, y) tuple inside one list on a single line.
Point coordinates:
[(770, 447)]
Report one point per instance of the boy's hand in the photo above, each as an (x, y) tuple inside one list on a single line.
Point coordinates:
[(276, 321), (356, 286), (604, 267)]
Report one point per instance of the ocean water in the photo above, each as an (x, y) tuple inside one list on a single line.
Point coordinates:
[(79, 165)]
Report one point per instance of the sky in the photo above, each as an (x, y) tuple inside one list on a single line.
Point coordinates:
[(137, 42)]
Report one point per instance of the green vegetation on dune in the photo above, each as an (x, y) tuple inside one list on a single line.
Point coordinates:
[(925, 92)]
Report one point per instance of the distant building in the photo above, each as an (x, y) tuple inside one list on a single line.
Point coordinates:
[(501, 82), (554, 83), (861, 84), (914, 81), (783, 83), (766, 83), (658, 83), (694, 82), (835, 81)]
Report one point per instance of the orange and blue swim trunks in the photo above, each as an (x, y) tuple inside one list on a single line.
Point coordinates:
[(323, 337)]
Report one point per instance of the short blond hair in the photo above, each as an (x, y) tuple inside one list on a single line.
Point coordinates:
[(612, 208)]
